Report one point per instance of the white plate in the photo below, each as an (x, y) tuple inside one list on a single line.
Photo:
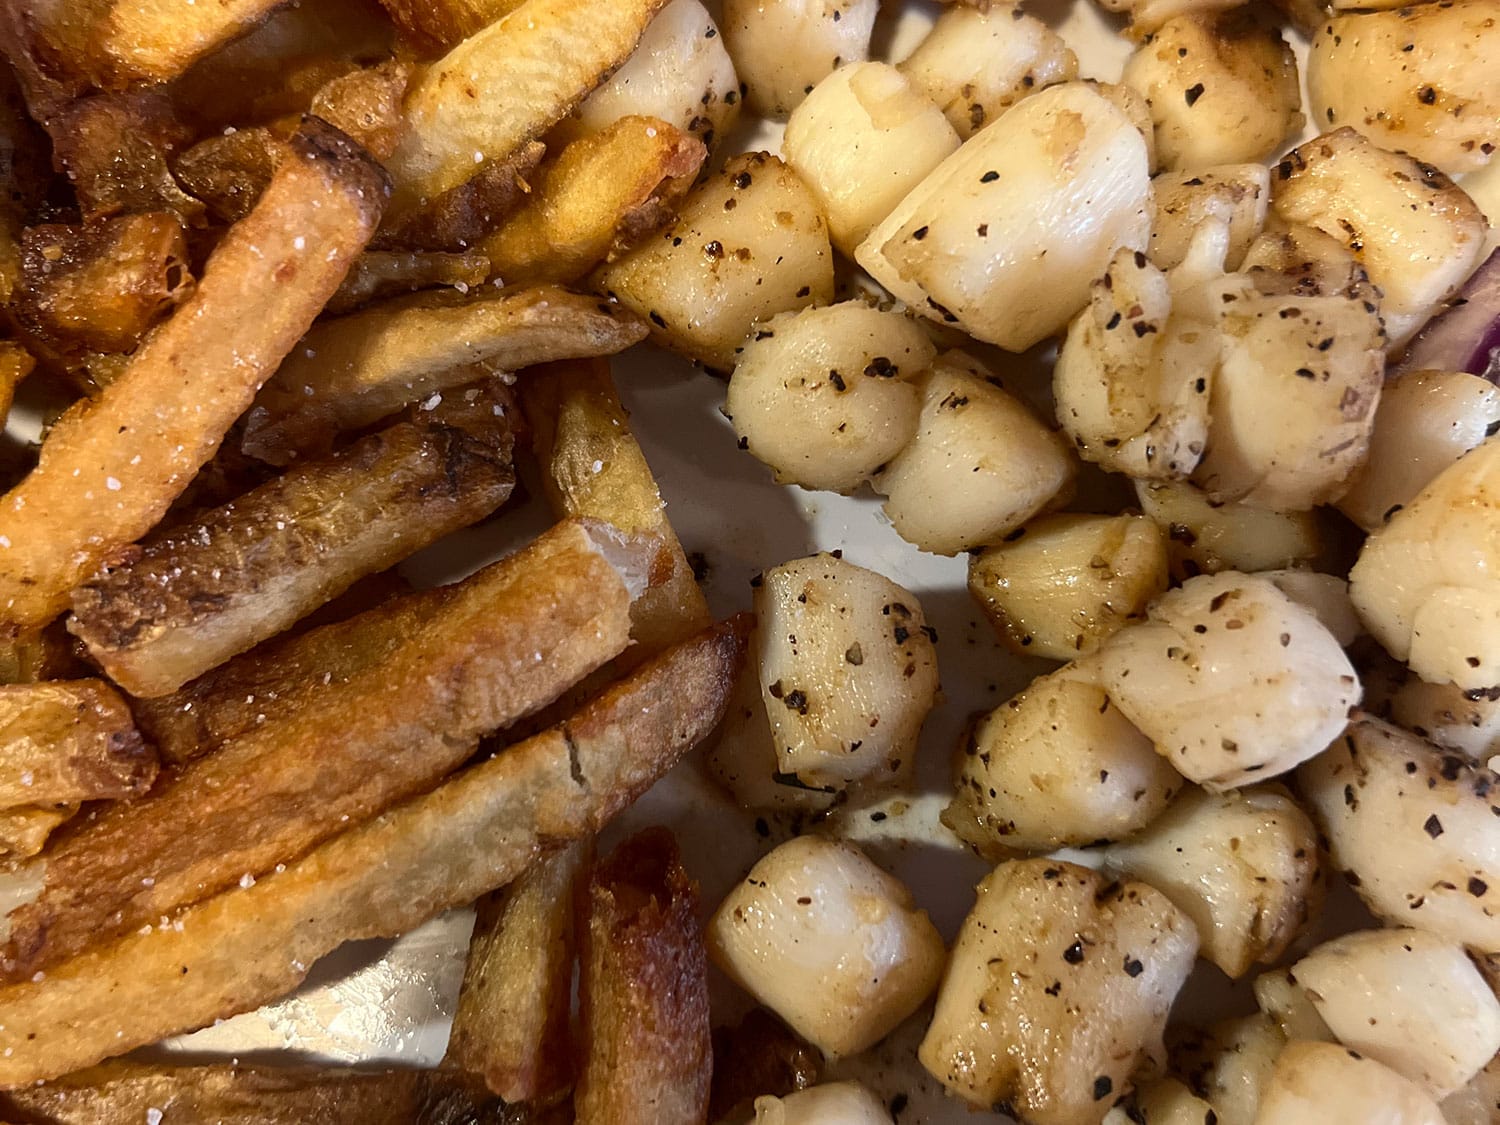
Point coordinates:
[(379, 1001)]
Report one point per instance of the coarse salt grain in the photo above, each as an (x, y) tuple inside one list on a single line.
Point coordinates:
[(247, 880), (112, 483)]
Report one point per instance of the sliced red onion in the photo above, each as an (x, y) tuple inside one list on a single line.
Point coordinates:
[(1466, 335)]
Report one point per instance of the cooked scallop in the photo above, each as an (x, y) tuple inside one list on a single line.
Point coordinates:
[(848, 671), (829, 942), (1204, 537), (1057, 991), (975, 63), (1427, 584), (1234, 681), (1005, 236), (1057, 765), (1236, 195), (827, 397), (1319, 1083), (783, 48), (1413, 828)]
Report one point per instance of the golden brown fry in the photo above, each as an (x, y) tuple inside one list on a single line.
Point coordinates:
[(602, 193), (436, 25), (278, 68), (366, 104), (101, 286), (160, 615), (228, 171), (278, 676), (350, 372), (389, 273), (460, 218), (111, 467), (478, 831), (492, 648), (69, 741), (116, 150), (759, 1055), (643, 991), (15, 364), (504, 85), (24, 829), (229, 1094), (511, 1023), (25, 169), (113, 44), (593, 466)]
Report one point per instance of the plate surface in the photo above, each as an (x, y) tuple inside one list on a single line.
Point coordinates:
[(387, 1001)]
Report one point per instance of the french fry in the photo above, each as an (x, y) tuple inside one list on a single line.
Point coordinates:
[(643, 991), (15, 364), (592, 466), (277, 69), (503, 87), (603, 192), (437, 25), (111, 467), (102, 285), (204, 591), (355, 370), (116, 150), (366, 104), (278, 676), (511, 1022), (479, 830), (24, 829), (228, 171), (69, 741), (25, 169), (379, 274), (460, 218), (113, 44), (114, 1093), (490, 649)]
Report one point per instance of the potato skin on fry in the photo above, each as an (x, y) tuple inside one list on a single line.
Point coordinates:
[(247, 946), (65, 742), (643, 991), (93, 491), (511, 1024), (472, 665), (215, 586), (355, 370), (272, 1095)]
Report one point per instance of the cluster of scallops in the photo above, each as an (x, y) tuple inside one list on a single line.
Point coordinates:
[(1278, 646)]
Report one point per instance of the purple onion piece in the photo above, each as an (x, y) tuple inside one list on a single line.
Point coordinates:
[(1466, 335)]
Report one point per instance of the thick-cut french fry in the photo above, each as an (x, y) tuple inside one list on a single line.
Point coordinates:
[(116, 150), (69, 741), (113, 44), (366, 104), (593, 467), (350, 372), (229, 1094), (504, 85), (492, 648), (279, 676), (277, 68), (440, 24), (603, 192), (216, 586), (463, 216), (111, 467), (643, 991), (102, 285), (15, 364), (390, 273), (511, 1022), (24, 829), (477, 831)]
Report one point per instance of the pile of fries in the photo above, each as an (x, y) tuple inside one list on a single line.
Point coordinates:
[(286, 288)]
